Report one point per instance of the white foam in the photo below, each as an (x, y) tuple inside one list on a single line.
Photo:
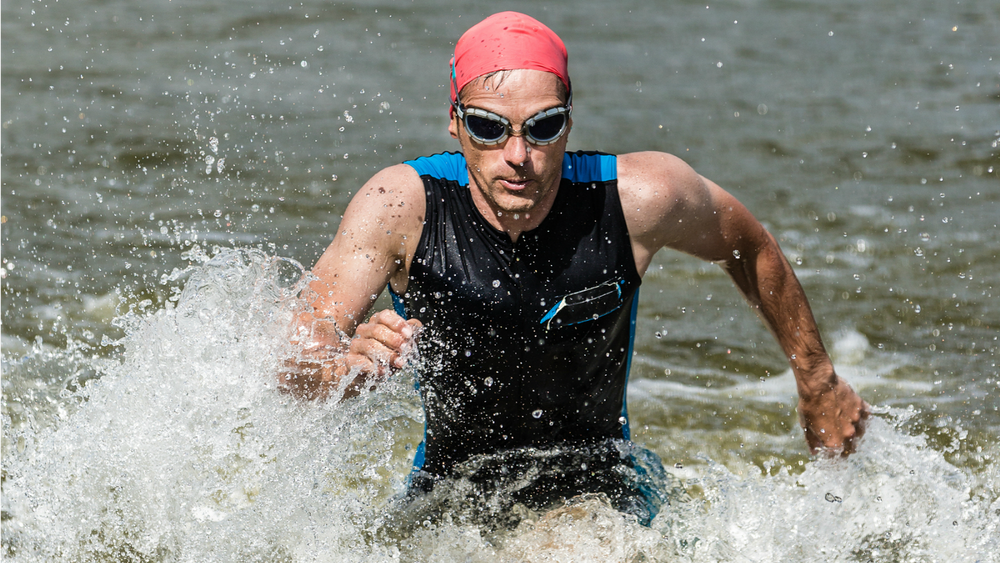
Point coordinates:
[(183, 450)]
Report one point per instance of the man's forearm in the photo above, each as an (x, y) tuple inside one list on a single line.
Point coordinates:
[(769, 284), (832, 415)]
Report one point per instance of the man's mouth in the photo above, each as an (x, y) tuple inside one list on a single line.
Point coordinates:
[(515, 183)]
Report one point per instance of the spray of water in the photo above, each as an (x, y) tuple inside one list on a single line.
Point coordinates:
[(182, 448)]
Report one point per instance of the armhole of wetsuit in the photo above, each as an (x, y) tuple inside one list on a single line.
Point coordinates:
[(398, 303), (399, 306), (615, 199)]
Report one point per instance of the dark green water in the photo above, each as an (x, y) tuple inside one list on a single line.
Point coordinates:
[(865, 135)]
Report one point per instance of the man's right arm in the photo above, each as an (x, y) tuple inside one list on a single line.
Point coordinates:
[(373, 246)]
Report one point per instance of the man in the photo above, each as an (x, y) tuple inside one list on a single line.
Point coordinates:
[(520, 264)]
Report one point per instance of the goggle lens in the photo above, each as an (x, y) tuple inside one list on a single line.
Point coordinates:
[(547, 128), (483, 129)]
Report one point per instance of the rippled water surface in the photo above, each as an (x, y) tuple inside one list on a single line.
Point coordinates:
[(167, 167)]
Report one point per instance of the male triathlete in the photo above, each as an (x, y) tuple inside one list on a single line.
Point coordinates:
[(522, 264)]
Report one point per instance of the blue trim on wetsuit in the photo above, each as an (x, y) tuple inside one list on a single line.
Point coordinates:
[(590, 167), (626, 431), (397, 303), (400, 307), (576, 167)]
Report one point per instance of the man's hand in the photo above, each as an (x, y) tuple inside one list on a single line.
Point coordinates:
[(380, 346), (833, 420), (386, 341)]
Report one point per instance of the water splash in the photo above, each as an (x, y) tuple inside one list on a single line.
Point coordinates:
[(180, 448), (183, 450), (895, 500)]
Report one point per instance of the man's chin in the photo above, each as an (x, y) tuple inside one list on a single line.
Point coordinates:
[(518, 207)]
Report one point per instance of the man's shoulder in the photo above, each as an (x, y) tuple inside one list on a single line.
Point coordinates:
[(652, 183), (392, 193), (646, 174), (654, 166)]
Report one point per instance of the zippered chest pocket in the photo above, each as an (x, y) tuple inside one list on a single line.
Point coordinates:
[(585, 305)]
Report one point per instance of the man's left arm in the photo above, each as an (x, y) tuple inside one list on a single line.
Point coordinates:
[(667, 204)]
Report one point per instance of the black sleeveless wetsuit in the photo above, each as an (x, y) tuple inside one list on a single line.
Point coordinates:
[(527, 344)]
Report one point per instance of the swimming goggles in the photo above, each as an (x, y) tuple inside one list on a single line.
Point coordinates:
[(488, 128)]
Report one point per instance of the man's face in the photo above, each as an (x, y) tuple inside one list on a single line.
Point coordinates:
[(513, 177)]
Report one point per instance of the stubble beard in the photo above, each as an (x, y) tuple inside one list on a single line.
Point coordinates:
[(506, 202)]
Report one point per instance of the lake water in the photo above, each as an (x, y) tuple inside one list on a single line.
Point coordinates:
[(169, 167)]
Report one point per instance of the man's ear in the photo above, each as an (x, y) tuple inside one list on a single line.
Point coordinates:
[(453, 123)]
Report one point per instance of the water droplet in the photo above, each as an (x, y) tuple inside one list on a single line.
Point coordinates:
[(496, 283), (537, 413), (622, 420), (488, 382), (659, 334), (736, 254)]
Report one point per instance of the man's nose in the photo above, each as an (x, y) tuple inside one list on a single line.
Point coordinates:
[(515, 150)]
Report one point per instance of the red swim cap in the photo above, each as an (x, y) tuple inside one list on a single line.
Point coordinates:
[(507, 41)]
